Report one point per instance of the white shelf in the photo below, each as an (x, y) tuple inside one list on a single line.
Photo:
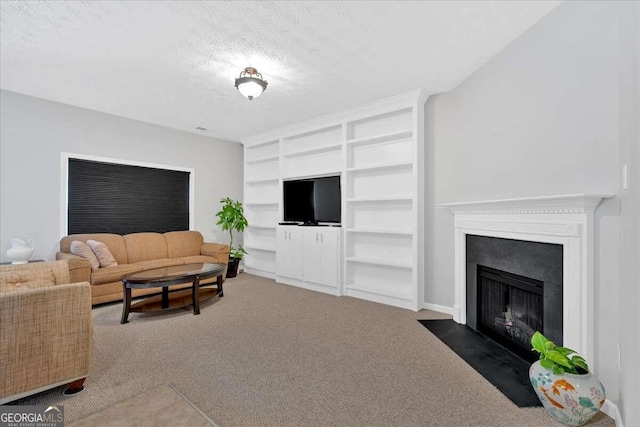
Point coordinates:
[(262, 160), (262, 144), (262, 181), (318, 150), (385, 262), (363, 288), (292, 177), (264, 248), (406, 232), (262, 226), (381, 199), (381, 166), (403, 134), (261, 204)]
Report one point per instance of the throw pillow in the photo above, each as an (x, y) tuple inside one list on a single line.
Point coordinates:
[(103, 253), (83, 250)]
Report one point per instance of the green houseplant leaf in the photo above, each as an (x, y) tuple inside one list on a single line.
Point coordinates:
[(557, 358), (538, 342)]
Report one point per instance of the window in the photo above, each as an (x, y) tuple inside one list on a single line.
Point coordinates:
[(105, 197)]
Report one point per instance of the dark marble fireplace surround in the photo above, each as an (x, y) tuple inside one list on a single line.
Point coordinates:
[(539, 261)]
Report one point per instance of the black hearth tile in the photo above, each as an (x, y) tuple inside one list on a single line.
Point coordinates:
[(508, 372)]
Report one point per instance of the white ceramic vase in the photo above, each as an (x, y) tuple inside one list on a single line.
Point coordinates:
[(569, 398), (20, 251)]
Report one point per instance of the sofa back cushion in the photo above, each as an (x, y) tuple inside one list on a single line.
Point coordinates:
[(34, 274), (25, 279), (183, 243), (114, 242), (145, 247)]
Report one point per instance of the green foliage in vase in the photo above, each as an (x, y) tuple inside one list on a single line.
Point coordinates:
[(231, 218), (558, 359)]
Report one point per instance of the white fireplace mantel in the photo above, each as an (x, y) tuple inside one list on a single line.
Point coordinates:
[(566, 220)]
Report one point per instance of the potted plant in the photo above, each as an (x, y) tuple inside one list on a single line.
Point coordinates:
[(569, 392), (231, 217)]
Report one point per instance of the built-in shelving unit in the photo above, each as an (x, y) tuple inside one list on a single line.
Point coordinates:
[(378, 150), (261, 204), (379, 231), (317, 150), (263, 160)]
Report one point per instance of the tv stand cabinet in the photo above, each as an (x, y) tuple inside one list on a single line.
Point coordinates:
[(309, 257)]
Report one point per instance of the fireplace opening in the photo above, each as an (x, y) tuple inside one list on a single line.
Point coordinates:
[(509, 309)]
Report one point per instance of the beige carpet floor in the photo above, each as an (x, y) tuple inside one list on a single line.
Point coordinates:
[(160, 406), (273, 355)]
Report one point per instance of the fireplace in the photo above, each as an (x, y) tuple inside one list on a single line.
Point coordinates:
[(510, 309), (514, 288), (566, 221)]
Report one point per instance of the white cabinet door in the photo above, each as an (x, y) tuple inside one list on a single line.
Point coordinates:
[(296, 242), (289, 248), (330, 265), (321, 247), (282, 252), (312, 255)]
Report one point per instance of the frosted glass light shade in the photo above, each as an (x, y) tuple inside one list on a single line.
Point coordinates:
[(250, 88), (250, 83)]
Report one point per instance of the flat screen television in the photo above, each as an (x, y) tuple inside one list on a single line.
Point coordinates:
[(313, 200)]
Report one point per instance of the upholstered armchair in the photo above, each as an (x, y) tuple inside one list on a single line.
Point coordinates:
[(45, 329)]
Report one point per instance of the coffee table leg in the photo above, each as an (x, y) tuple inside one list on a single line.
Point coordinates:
[(220, 290), (165, 297), (126, 304), (196, 295)]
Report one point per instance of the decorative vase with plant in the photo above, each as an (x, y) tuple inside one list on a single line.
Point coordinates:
[(561, 379), (231, 218)]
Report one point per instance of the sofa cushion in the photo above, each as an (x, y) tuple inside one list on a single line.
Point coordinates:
[(145, 247), (102, 253), (83, 250), (112, 274), (114, 242), (197, 259), (157, 263), (183, 243)]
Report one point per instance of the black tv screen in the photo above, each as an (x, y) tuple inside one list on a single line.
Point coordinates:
[(312, 200)]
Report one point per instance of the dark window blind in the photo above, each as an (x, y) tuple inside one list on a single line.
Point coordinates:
[(122, 199)]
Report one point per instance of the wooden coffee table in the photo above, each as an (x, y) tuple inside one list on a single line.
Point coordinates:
[(165, 277)]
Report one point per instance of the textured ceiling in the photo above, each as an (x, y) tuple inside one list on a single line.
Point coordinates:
[(174, 63)]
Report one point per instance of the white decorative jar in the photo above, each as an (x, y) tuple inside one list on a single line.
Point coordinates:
[(20, 251), (571, 399)]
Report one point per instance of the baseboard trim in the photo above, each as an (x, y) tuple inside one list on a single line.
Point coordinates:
[(260, 273), (380, 298), (611, 409), (439, 308)]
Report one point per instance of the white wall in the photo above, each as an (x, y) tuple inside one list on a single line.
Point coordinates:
[(33, 134), (629, 321), (541, 118)]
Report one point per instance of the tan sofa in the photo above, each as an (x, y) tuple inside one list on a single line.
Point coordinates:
[(45, 329), (137, 252)]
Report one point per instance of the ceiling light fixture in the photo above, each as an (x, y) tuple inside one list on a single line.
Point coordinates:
[(250, 83)]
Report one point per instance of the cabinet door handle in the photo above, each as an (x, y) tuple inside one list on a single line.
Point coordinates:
[(316, 237), (321, 238)]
